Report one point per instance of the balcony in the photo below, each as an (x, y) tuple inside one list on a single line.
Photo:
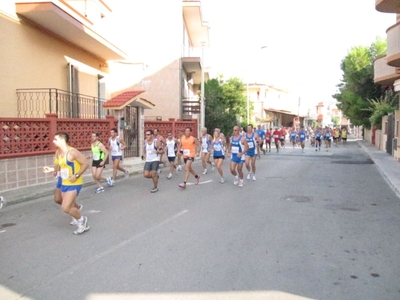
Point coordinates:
[(36, 103), (62, 20), (393, 45), (196, 27), (190, 106), (383, 73), (387, 6)]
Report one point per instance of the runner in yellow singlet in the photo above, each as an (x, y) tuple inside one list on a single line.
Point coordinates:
[(72, 165)]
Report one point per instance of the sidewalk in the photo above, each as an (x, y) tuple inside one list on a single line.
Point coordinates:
[(133, 164), (387, 165)]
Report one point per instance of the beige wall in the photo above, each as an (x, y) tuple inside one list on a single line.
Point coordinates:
[(31, 58), (162, 89)]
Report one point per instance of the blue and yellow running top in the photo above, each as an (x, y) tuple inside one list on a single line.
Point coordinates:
[(68, 168)]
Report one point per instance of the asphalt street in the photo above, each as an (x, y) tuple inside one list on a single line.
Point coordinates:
[(314, 225)]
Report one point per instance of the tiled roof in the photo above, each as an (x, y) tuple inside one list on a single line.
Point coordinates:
[(122, 99)]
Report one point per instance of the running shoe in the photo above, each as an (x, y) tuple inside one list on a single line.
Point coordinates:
[(169, 176), (197, 179), (179, 168), (241, 183), (222, 180), (204, 172), (158, 171), (99, 190), (126, 173), (249, 176), (109, 181), (212, 166), (75, 221), (236, 181), (182, 185), (82, 226), (154, 190), (254, 177)]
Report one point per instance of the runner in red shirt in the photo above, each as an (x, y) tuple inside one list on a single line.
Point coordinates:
[(276, 134), (268, 138)]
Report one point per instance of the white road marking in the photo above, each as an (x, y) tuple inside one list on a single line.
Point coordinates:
[(95, 258)]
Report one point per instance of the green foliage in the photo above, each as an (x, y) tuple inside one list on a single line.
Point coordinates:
[(358, 85), (335, 121), (225, 104), (382, 107)]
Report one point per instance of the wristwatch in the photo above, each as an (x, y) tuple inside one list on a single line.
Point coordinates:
[(77, 175)]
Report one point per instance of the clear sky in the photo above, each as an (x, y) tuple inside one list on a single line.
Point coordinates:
[(306, 40)]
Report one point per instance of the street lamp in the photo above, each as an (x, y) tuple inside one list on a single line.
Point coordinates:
[(247, 91)]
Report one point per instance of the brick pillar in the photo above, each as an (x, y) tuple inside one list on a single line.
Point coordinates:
[(52, 118), (111, 121)]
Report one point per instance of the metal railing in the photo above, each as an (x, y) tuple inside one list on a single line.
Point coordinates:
[(36, 103), (191, 106)]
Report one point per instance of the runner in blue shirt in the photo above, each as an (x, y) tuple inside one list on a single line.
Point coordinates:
[(328, 136), (261, 135), (252, 140), (238, 148), (293, 136), (302, 137), (318, 138)]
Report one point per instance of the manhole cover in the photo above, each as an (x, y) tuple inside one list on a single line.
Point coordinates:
[(294, 198), (7, 225)]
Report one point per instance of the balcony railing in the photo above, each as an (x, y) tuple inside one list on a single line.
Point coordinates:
[(190, 106), (35, 103), (393, 45), (383, 73)]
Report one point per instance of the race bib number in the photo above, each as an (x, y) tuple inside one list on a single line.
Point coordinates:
[(251, 144), (96, 156), (64, 174), (186, 152), (276, 136), (114, 152), (302, 136), (235, 150), (217, 148)]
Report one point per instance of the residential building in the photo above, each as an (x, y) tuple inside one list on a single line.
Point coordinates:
[(273, 106), (387, 73), (72, 56)]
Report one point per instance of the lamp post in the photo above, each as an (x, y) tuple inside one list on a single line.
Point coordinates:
[(247, 92)]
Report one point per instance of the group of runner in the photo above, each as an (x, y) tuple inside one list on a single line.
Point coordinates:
[(243, 147)]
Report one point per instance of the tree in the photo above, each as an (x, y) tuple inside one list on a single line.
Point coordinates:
[(225, 103), (382, 107), (358, 85)]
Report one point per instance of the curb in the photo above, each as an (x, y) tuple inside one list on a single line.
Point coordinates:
[(21, 195), (385, 176)]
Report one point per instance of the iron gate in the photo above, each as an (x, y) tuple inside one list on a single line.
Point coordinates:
[(131, 132)]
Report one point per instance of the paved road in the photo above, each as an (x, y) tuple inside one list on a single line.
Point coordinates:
[(318, 225)]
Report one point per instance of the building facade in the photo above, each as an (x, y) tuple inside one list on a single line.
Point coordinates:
[(71, 57), (387, 73)]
